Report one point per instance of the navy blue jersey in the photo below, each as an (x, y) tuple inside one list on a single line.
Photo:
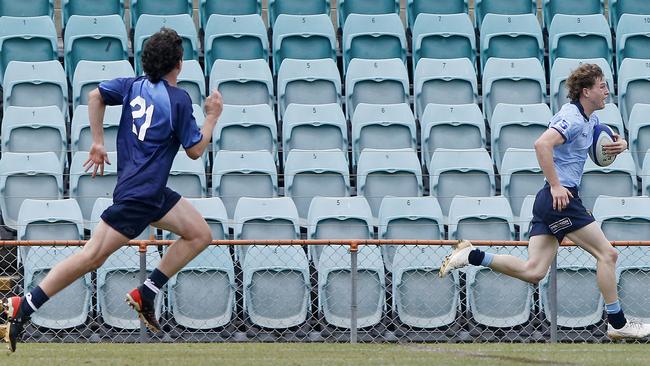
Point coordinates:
[(156, 120)]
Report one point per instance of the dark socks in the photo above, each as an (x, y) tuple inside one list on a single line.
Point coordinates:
[(615, 315), (152, 285), (476, 257), (32, 301)]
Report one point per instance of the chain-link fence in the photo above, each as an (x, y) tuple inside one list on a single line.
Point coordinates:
[(327, 293)]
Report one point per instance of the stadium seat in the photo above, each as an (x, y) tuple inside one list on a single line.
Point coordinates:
[(311, 173), (632, 37), (30, 39), (314, 127), (520, 176), (293, 7), (227, 7), (579, 36), (35, 129), (645, 174), (89, 74), (619, 7), (493, 299), (382, 173), (192, 80), (211, 274), (373, 37), (511, 36), (445, 81), (308, 82), (415, 8), (246, 128), (234, 37), (36, 84), (155, 7), (81, 136), (116, 277), (150, 24), (334, 272), (90, 8), (570, 7), (347, 7), (525, 217), (617, 179), (563, 67), (451, 126), (514, 81), (375, 82), (245, 82), (382, 127), (308, 37), (611, 116), (85, 188), (484, 7), (60, 220), (445, 37), (264, 219), (465, 172), (187, 176), (337, 218), (94, 38), (418, 218), (27, 8), (517, 126), (238, 174), (23, 176), (639, 132), (633, 82)]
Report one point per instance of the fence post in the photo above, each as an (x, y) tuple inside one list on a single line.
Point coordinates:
[(143, 276), (353, 289), (552, 299)]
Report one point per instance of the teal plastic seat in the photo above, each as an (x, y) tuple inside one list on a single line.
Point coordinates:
[(571, 7), (415, 8), (86, 189), (579, 36), (617, 179), (511, 36), (611, 116), (639, 132), (308, 82), (633, 82), (227, 7), (192, 80), (514, 7), (347, 7), (521, 176), (90, 8), (187, 176), (243, 82), (89, 74), (81, 136), (617, 8), (155, 7), (246, 128), (296, 7), (27, 8), (632, 37)]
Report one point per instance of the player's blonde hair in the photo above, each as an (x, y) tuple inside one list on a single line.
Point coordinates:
[(584, 76)]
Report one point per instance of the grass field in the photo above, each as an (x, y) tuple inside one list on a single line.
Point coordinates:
[(328, 354)]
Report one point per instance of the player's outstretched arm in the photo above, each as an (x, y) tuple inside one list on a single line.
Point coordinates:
[(213, 109), (97, 154)]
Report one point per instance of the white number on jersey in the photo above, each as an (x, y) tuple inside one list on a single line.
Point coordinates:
[(141, 111)]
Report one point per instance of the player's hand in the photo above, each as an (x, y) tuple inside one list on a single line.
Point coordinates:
[(213, 105), (96, 159), (561, 196), (618, 146)]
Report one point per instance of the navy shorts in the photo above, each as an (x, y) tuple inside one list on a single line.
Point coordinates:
[(547, 221), (130, 218)]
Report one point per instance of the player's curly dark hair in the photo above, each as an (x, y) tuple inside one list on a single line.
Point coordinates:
[(584, 76), (161, 53)]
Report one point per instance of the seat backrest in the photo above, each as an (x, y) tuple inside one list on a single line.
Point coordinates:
[(27, 8), (526, 216), (639, 132), (94, 38), (445, 36), (563, 67), (192, 80), (50, 219), (617, 179), (579, 36), (234, 37), (314, 127), (243, 82), (623, 218), (382, 126), (90, 8), (571, 7), (376, 82), (308, 82), (513, 7), (645, 175), (619, 7), (87, 189), (80, 134), (339, 218), (451, 126), (311, 173), (347, 7), (305, 37), (296, 7), (227, 7), (415, 8), (511, 36), (399, 216), (611, 116), (246, 128), (149, 24), (633, 82), (520, 176), (514, 81), (382, 173), (88, 75), (379, 36), (444, 81), (187, 176), (632, 39), (155, 7), (483, 218)]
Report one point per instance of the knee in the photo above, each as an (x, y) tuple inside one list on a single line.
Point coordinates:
[(92, 261), (610, 256), (535, 272), (200, 238)]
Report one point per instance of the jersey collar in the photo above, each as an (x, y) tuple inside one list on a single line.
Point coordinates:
[(580, 108)]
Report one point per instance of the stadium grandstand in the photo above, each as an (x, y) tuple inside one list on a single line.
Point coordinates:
[(359, 140)]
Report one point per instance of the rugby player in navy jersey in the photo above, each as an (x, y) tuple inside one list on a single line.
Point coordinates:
[(156, 120)]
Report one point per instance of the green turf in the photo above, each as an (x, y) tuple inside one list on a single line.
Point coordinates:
[(328, 354)]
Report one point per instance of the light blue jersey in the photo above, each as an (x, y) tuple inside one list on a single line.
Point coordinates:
[(578, 130)]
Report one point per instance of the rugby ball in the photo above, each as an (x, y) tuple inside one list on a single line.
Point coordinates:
[(603, 135)]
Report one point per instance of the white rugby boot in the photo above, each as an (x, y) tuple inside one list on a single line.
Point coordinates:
[(633, 329), (458, 258)]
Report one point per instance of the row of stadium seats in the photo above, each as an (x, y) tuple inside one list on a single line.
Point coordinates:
[(276, 280)]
